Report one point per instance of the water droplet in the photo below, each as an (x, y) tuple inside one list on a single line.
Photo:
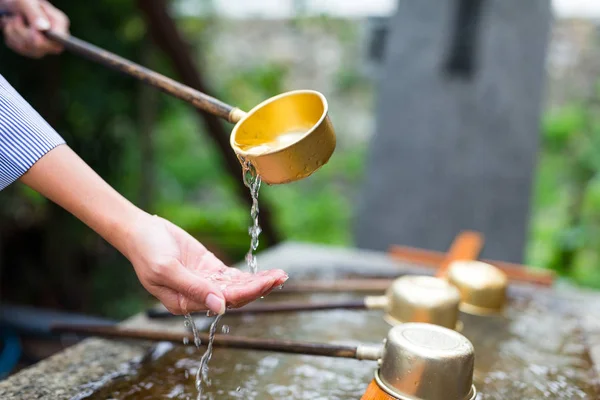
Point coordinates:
[(225, 329), (186, 340)]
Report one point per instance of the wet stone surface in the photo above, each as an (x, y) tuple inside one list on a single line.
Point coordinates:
[(540, 348)]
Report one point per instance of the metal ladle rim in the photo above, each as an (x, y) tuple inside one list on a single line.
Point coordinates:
[(480, 311), (394, 322), (247, 115), (383, 386)]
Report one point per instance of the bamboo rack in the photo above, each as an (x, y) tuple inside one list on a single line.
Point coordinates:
[(220, 341)]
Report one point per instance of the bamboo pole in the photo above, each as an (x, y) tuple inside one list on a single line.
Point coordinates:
[(368, 285), (223, 341), (278, 308), (466, 246)]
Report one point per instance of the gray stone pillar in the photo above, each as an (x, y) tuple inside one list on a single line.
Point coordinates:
[(456, 152)]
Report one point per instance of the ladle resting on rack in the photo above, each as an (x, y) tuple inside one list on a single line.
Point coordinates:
[(408, 299), (285, 138), (469, 285), (417, 361)]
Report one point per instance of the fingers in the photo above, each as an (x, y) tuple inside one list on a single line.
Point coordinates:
[(23, 32), (240, 288), (185, 291), (22, 39), (241, 293), (280, 275), (34, 15), (59, 23), (191, 306), (195, 288), (169, 298)]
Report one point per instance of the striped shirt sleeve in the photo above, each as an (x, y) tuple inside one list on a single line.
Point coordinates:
[(25, 136)]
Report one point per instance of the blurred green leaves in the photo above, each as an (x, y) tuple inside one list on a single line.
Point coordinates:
[(565, 232)]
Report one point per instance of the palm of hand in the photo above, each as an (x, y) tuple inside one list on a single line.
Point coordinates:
[(181, 272)]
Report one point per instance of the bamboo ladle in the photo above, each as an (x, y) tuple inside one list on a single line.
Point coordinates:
[(285, 138)]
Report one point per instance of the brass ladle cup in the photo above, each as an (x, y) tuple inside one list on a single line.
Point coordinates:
[(285, 138)]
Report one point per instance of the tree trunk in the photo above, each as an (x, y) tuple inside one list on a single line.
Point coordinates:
[(163, 30)]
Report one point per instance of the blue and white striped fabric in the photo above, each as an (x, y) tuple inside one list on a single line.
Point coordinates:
[(25, 136)]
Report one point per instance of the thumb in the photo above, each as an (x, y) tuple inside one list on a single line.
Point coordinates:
[(34, 15)]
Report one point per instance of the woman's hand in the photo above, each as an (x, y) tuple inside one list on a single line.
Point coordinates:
[(184, 275), (23, 29), (170, 264)]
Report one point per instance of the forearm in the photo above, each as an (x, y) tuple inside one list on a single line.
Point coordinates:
[(67, 180), (30, 150)]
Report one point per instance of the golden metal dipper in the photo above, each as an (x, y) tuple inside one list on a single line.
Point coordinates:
[(424, 362), (286, 138), (482, 287)]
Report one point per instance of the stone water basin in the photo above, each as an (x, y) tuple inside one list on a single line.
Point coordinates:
[(536, 350), (544, 347)]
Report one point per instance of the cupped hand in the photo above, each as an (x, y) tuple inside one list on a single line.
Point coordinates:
[(29, 18), (184, 275)]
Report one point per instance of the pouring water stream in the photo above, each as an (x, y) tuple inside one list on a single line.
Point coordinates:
[(252, 181)]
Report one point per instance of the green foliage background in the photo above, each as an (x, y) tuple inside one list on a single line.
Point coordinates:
[(50, 259)]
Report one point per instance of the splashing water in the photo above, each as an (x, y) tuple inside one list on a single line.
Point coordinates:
[(202, 373), (252, 182), (189, 322)]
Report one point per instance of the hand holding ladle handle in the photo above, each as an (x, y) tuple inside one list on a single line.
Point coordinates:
[(194, 97)]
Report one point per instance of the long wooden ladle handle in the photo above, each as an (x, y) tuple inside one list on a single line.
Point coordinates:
[(196, 98), (279, 308), (360, 352), (466, 246)]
